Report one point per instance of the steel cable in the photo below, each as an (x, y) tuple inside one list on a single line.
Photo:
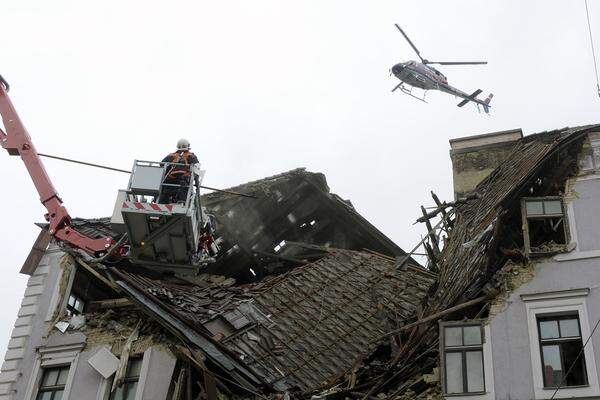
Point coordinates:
[(574, 361), (587, 12)]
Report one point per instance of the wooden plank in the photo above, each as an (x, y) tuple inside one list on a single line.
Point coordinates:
[(111, 303), (210, 385), (37, 252)]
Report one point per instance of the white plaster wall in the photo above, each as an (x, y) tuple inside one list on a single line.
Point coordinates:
[(511, 350)]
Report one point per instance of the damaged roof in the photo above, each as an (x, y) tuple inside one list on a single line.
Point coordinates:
[(485, 228), (295, 206), (258, 234), (304, 329), (326, 283), (329, 295)]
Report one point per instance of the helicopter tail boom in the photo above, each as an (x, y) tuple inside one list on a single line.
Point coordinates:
[(473, 97), (470, 98)]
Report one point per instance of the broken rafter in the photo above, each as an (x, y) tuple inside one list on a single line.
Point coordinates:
[(444, 205), (178, 390), (447, 222), (432, 258), (281, 257), (435, 244), (434, 317), (124, 359), (111, 303), (408, 255)]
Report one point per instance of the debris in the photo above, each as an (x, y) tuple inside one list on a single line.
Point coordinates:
[(105, 362), (77, 321), (124, 359), (62, 326)]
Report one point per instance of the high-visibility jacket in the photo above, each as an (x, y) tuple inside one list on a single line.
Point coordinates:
[(180, 157)]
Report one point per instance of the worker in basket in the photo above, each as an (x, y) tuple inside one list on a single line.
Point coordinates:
[(178, 174)]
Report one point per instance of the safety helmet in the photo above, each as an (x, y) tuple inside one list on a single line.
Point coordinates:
[(183, 144)]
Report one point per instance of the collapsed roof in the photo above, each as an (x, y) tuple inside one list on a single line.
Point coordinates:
[(302, 330), (295, 206), (303, 287), (482, 236), (315, 300)]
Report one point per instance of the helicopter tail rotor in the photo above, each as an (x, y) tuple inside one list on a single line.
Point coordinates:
[(486, 106)]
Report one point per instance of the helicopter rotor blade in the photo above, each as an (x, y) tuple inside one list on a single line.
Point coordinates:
[(411, 43), (456, 62)]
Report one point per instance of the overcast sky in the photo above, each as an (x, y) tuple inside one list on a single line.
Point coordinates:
[(261, 87)]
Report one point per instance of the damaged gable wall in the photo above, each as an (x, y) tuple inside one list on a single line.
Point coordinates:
[(36, 344)]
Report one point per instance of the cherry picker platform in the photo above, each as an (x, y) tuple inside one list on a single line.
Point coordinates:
[(171, 236)]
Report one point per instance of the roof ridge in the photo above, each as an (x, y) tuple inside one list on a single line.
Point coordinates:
[(294, 171)]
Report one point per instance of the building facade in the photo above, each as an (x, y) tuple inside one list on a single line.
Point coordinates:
[(539, 339)]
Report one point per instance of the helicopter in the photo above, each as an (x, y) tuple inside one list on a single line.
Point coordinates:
[(423, 76)]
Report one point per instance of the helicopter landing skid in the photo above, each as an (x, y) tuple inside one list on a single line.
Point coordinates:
[(408, 91)]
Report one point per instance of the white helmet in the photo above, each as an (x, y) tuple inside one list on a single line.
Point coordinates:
[(183, 144)]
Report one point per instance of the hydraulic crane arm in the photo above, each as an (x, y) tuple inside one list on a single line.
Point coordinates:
[(17, 142)]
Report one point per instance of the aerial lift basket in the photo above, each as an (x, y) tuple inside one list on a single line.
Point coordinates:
[(163, 234)]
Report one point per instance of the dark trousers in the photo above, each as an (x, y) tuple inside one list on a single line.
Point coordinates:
[(175, 194)]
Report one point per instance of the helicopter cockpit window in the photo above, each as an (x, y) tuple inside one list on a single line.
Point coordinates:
[(438, 73)]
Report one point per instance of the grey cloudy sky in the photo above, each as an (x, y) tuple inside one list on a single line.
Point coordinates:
[(261, 87)]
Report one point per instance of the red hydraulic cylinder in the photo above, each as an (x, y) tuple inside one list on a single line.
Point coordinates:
[(17, 142)]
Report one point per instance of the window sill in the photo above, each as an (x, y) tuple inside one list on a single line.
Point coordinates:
[(577, 255), (566, 387), (470, 396), (570, 392), (464, 394)]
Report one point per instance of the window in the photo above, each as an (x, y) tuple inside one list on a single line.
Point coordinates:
[(129, 386), (462, 358), (557, 324), (545, 230), (75, 305), (561, 349), (53, 383)]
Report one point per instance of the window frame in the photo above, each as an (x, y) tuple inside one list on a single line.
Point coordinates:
[(555, 303), (559, 341), (72, 310), (53, 388), (463, 349), (128, 379), (525, 218)]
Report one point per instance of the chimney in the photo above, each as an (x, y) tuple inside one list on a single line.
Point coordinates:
[(475, 157)]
